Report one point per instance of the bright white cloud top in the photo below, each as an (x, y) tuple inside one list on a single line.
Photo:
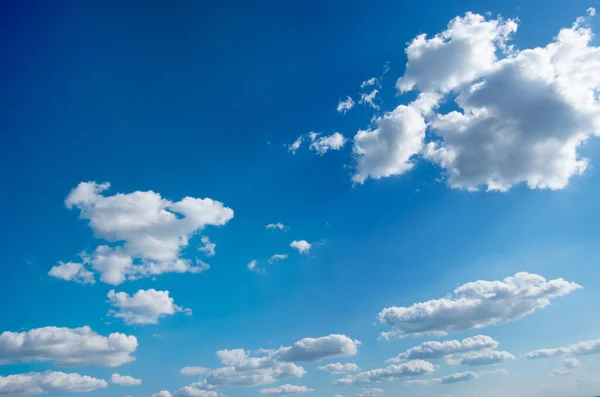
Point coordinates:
[(302, 246), (434, 349), (476, 305), (389, 373), (146, 232), (36, 383), (143, 307), (67, 346), (125, 380), (578, 349)]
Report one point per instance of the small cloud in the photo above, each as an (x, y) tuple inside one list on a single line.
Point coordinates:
[(369, 82), (302, 246), (252, 267), (345, 105), (296, 145), (277, 225), (367, 99), (207, 246), (277, 257), (591, 11)]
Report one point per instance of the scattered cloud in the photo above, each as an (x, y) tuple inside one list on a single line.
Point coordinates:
[(67, 346), (277, 257), (339, 368), (70, 271), (368, 99), (561, 372), (373, 392), (162, 393), (296, 145), (143, 307), (572, 363), (322, 144), (485, 357), (194, 370), (345, 105), (317, 349), (457, 377), (434, 349), (284, 390), (416, 382), (389, 373), (125, 380), (591, 11), (476, 305), (252, 267), (277, 225), (302, 246), (369, 82), (146, 232), (207, 246), (577, 349), (35, 383)]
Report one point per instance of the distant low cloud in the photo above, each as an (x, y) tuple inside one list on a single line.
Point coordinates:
[(339, 368), (277, 257), (284, 390), (577, 349), (389, 373), (345, 105), (125, 380), (457, 377), (143, 307), (322, 144), (434, 349), (368, 99), (252, 266), (36, 383), (485, 357), (476, 305)]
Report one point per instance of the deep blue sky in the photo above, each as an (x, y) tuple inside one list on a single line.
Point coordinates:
[(197, 99)]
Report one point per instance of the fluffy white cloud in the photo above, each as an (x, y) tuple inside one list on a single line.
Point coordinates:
[(277, 225), (146, 232), (72, 272), (416, 382), (293, 147), (34, 383), (269, 365), (284, 390), (277, 257), (125, 380), (372, 392), (389, 373), (460, 54), (345, 105), (476, 305), (208, 247), (252, 267), (322, 144), (162, 393), (485, 357), (577, 349), (143, 307), (339, 368), (67, 346), (368, 99), (388, 149), (302, 246), (191, 391), (369, 82), (457, 377), (433, 350)]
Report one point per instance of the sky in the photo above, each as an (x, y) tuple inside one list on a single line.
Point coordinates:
[(338, 199)]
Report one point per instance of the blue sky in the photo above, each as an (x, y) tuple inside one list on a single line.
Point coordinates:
[(409, 202)]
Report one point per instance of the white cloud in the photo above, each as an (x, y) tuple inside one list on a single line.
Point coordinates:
[(207, 246), (270, 365), (485, 357), (572, 363), (389, 373), (460, 54), (277, 257), (591, 11), (323, 144), (302, 246), (369, 82), (67, 346), (476, 305), (284, 390), (191, 391), (434, 349), (72, 272), (35, 383), (372, 392), (125, 380), (457, 377), (146, 232), (143, 307), (345, 105), (339, 368), (561, 372), (277, 225), (368, 99), (162, 393), (388, 149), (416, 382), (252, 267), (296, 145), (577, 349)]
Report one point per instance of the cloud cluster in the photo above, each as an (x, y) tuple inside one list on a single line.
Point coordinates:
[(389, 373), (35, 383), (277, 225), (339, 368), (432, 350), (476, 305), (457, 377), (145, 233), (302, 246), (67, 346), (318, 143), (143, 307), (345, 105), (208, 247), (521, 118), (284, 390), (578, 349), (125, 380), (485, 357), (242, 368)]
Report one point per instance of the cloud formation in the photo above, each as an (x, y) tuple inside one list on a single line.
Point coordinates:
[(67, 346), (125, 380), (145, 232), (339, 368), (345, 105), (302, 246), (284, 390), (322, 144), (485, 357), (476, 305), (277, 257), (35, 383), (578, 349), (143, 307), (457, 377), (434, 349), (389, 373)]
